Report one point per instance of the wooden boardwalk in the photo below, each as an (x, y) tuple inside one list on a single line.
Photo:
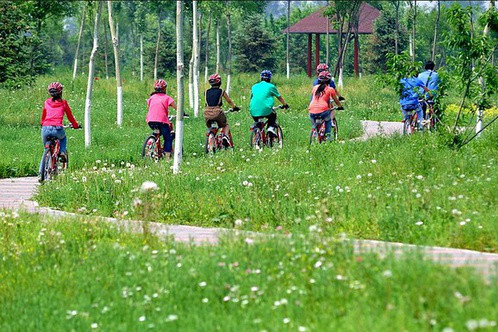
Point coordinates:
[(17, 194)]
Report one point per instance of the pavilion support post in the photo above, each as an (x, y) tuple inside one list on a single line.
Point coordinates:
[(317, 50), (356, 55), (309, 55)]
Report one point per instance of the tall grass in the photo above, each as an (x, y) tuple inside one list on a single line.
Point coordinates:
[(82, 276)]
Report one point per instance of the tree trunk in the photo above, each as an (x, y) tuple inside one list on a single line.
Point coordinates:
[(191, 81), (91, 73), (106, 62), (482, 83), (288, 38), (141, 56), (229, 55), (119, 85), (436, 27), (158, 41), (177, 159), (217, 46), (396, 34), (76, 55), (327, 40), (414, 29), (206, 60), (340, 83), (195, 52)]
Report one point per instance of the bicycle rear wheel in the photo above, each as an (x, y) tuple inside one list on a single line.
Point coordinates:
[(408, 125), (313, 136), (46, 167), (149, 148), (210, 146)]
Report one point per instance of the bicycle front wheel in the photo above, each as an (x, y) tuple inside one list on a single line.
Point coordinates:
[(149, 148), (256, 141), (335, 129), (277, 141)]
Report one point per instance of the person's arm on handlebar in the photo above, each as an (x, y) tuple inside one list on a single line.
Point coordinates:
[(426, 89), (285, 105), (70, 115), (229, 101), (338, 103)]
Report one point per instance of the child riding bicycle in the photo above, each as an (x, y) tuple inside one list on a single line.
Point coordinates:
[(321, 105), (324, 67), (409, 99), (52, 117), (214, 111), (158, 115), (261, 105)]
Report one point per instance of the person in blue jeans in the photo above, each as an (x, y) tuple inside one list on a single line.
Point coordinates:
[(410, 96)]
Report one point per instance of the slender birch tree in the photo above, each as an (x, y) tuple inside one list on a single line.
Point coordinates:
[(91, 74), (106, 61), (158, 41), (195, 55), (288, 38), (119, 84), (436, 28), (229, 55), (206, 59), (177, 158), (80, 33), (218, 45)]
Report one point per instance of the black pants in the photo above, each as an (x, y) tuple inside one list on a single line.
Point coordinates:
[(272, 119), (166, 132)]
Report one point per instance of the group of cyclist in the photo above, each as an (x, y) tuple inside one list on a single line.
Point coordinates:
[(323, 94)]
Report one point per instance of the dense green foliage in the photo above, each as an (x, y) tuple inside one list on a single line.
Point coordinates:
[(86, 276)]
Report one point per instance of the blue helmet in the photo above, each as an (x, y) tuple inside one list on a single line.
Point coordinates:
[(266, 74)]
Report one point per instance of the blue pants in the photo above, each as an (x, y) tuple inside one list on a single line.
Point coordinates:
[(165, 130), (408, 112), (325, 116), (54, 131)]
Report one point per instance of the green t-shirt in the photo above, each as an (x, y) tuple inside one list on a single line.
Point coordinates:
[(262, 102)]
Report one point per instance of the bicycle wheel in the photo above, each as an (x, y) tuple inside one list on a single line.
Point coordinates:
[(313, 136), (149, 148), (278, 140), (210, 146), (408, 127), (46, 167), (256, 141), (335, 129)]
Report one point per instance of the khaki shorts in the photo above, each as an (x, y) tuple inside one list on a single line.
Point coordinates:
[(215, 114)]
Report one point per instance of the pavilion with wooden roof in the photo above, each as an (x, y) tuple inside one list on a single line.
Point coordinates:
[(316, 23)]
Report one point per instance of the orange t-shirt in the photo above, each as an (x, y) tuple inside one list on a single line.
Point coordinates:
[(322, 103)]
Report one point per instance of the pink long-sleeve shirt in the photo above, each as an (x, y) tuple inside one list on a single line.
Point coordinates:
[(53, 113)]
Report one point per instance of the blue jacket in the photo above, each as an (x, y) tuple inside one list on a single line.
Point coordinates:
[(410, 93)]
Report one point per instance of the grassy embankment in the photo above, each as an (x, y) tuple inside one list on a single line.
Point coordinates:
[(85, 276)]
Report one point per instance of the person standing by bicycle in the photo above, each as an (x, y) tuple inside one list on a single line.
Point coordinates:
[(52, 118), (214, 111), (324, 67), (261, 105), (431, 80), (409, 99), (158, 114), (321, 103)]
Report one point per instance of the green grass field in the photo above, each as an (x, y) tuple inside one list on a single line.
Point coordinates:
[(407, 189), (81, 275)]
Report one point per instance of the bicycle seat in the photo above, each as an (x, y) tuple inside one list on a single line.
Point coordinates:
[(156, 131), (260, 120), (51, 138), (213, 125)]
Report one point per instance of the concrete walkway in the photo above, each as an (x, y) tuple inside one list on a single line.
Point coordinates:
[(17, 194)]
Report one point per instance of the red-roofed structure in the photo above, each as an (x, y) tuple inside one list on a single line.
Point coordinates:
[(316, 23)]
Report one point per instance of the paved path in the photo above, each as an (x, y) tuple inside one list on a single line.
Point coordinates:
[(17, 194)]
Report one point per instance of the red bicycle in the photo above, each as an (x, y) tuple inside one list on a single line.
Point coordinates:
[(318, 134), (152, 147), (52, 164), (214, 137), (260, 137)]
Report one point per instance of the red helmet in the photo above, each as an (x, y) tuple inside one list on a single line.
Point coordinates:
[(160, 85), (214, 79), (324, 76), (55, 87), (322, 67)]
